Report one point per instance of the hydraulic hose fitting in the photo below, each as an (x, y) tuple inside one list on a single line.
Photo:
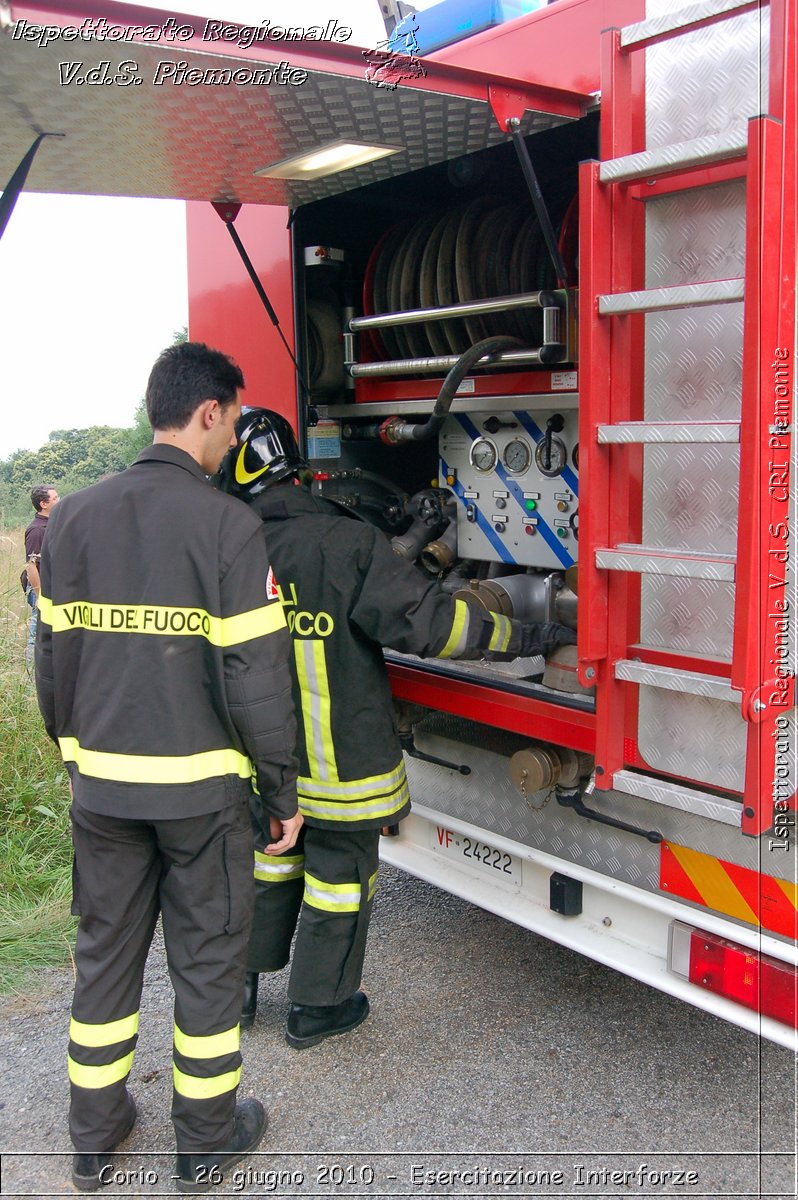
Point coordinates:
[(393, 431)]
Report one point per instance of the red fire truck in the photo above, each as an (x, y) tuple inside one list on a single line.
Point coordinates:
[(529, 300)]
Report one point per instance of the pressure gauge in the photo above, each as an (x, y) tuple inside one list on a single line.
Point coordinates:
[(484, 454), (551, 456), (517, 456)]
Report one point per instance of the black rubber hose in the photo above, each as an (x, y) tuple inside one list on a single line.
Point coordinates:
[(492, 345)]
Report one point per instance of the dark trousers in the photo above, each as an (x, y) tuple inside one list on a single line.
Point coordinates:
[(197, 872), (327, 884)]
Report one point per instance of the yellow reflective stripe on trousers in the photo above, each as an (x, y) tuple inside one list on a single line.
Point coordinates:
[(456, 641), (314, 686), (194, 1088), (152, 768), (99, 1077), (372, 885), (352, 810), (106, 1034), (211, 1045), (273, 868), (331, 897), (500, 638), (162, 619)]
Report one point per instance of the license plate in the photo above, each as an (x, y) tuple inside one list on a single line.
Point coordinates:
[(505, 867)]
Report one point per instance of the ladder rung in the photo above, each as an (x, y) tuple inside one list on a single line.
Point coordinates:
[(674, 795), (634, 432), (713, 687), (654, 560), (677, 157), (691, 295), (681, 20)]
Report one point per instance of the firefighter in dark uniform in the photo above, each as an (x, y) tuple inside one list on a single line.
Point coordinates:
[(346, 594), (162, 675)]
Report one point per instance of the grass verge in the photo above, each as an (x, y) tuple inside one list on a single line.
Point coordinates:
[(36, 929)]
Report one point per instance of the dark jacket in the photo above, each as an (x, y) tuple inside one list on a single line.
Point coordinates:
[(161, 667), (34, 536), (346, 595)]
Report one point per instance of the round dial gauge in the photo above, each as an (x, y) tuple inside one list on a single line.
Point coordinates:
[(517, 456), (551, 463), (484, 454)]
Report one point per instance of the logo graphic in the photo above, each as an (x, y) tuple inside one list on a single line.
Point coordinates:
[(272, 590), (242, 474)]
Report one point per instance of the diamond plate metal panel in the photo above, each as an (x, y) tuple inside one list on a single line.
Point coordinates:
[(695, 236), (690, 616), (709, 81), (694, 364), (690, 496), (488, 799), (204, 142), (693, 372), (692, 737)]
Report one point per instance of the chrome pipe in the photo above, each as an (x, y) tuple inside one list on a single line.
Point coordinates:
[(424, 366), (470, 308)]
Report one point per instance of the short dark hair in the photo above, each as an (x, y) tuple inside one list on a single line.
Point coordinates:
[(40, 494), (183, 377)]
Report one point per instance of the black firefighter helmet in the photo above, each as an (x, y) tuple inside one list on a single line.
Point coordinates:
[(266, 452)]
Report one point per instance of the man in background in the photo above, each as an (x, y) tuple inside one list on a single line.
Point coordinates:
[(162, 675), (43, 497)]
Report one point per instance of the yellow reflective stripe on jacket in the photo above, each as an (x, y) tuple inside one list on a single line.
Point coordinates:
[(99, 1077), (104, 1035), (502, 629), (314, 687), (152, 768), (195, 1088), (273, 868), (338, 810), (211, 1045), (356, 789), (456, 641), (162, 619), (332, 897)]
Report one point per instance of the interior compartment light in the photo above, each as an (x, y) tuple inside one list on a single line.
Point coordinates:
[(765, 984), (326, 160)]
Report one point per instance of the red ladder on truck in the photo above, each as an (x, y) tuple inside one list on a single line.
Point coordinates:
[(618, 436)]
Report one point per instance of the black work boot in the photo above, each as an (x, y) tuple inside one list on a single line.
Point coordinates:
[(308, 1024), (87, 1169), (250, 1004), (201, 1172)]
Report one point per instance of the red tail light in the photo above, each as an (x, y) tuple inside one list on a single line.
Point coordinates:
[(762, 983)]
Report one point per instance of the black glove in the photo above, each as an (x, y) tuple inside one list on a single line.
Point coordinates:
[(539, 638)]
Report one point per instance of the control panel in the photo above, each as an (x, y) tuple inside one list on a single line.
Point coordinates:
[(515, 477)]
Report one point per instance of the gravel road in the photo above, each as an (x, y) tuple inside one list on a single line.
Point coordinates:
[(494, 1063)]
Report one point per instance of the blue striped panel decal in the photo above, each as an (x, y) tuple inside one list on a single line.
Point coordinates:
[(485, 525), (546, 532), (537, 433)]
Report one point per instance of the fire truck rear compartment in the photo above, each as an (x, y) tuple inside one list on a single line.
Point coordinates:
[(489, 504)]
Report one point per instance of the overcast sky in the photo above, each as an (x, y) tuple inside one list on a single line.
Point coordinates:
[(94, 287)]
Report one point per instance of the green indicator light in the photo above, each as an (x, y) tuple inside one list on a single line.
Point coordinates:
[(531, 505), (563, 533)]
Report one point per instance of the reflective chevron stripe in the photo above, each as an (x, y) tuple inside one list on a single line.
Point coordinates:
[(727, 888)]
